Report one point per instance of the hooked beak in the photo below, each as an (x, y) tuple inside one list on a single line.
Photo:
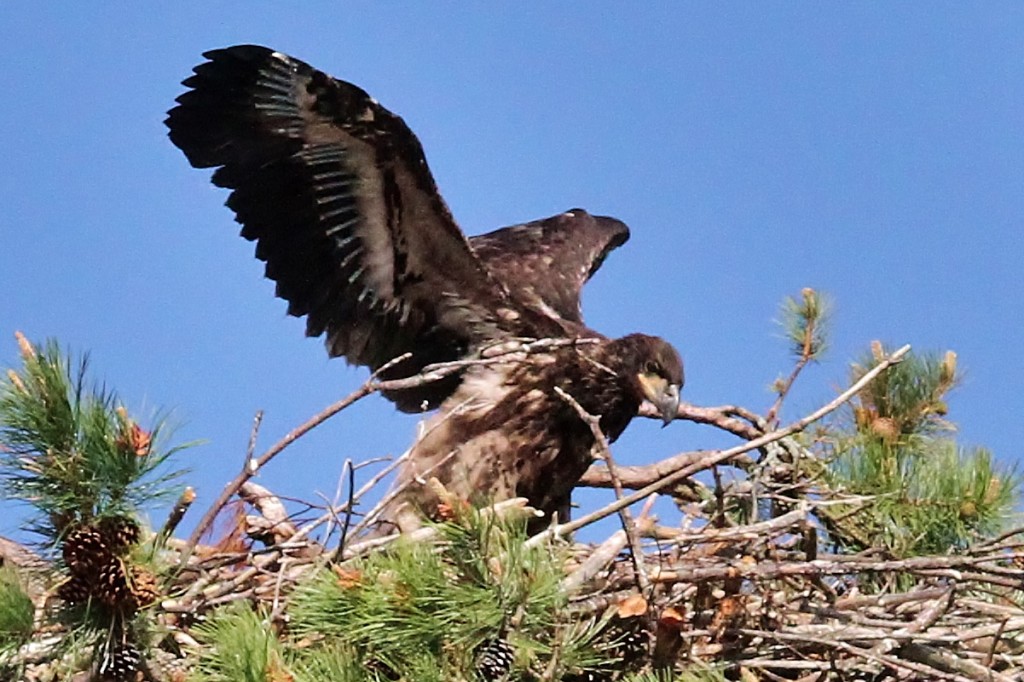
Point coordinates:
[(662, 395)]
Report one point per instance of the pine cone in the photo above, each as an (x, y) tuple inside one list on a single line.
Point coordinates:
[(111, 587), (120, 662), (119, 532), (75, 590), (494, 658), (144, 588), (630, 642), (85, 550)]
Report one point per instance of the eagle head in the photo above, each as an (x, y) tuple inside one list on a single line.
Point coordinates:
[(655, 370)]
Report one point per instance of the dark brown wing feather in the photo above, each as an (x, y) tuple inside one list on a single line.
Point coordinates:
[(336, 193), (545, 263)]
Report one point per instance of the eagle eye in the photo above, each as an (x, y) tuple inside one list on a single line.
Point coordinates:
[(651, 367)]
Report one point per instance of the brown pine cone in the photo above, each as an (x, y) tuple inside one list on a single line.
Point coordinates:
[(144, 588), (119, 532), (120, 662), (75, 590), (85, 550), (111, 587)]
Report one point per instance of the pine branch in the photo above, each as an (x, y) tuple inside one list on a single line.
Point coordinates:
[(69, 449), (763, 598), (804, 323)]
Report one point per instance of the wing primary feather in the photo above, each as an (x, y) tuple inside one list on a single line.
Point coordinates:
[(346, 226), (336, 194), (347, 260), (355, 275)]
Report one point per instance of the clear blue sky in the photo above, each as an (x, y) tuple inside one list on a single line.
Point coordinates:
[(870, 150)]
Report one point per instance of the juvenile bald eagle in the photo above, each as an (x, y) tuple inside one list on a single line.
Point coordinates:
[(336, 193)]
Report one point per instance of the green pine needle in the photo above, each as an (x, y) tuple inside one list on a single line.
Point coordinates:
[(911, 394), (929, 495), (239, 646), (805, 323), (69, 450), (420, 611), (336, 662), (16, 612)]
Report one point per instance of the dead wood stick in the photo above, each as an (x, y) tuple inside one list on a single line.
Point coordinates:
[(605, 454), (947, 662), (832, 565), (604, 553), (514, 507), (274, 515), (754, 531), (887, 660), (635, 477), (254, 465)]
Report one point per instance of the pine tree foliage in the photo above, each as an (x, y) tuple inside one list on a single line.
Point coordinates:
[(70, 450), (241, 647), (438, 607), (704, 600), (17, 613), (805, 321), (477, 601), (86, 468), (928, 493)]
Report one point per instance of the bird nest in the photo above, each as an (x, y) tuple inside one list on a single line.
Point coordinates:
[(758, 580), (757, 599)]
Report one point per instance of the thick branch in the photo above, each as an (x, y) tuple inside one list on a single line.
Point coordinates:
[(724, 417), (635, 477)]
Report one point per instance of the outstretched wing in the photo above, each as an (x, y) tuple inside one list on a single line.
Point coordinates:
[(336, 193), (545, 263)]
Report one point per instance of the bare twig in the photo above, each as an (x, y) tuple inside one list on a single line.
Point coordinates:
[(765, 529), (512, 351), (946, 566), (806, 353), (333, 512), (604, 454), (254, 465), (773, 412), (257, 420), (512, 507), (635, 477), (605, 553), (273, 515), (349, 506)]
